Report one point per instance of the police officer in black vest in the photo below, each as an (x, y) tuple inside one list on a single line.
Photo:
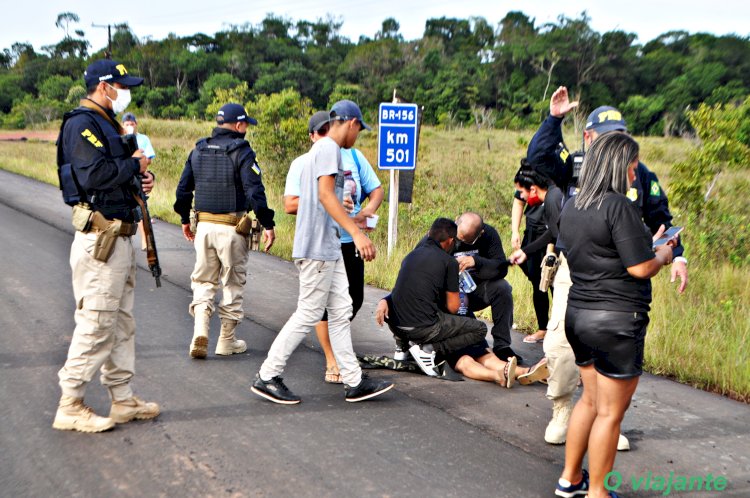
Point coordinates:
[(99, 176), (227, 182)]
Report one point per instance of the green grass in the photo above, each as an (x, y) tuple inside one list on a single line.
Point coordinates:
[(699, 338)]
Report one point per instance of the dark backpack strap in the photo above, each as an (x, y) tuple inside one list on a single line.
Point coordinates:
[(363, 195)]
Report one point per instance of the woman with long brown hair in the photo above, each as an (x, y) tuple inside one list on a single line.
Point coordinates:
[(611, 260)]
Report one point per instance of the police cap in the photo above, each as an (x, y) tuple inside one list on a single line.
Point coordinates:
[(109, 71), (233, 113)]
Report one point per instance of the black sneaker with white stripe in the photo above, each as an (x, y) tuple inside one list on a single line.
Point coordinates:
[(366, 389), (274, 390)]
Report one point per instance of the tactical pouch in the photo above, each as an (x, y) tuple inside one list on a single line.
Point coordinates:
[(245, 225), (105, 241), (550, 264), (82, 217), (255, 232), (193, 221)]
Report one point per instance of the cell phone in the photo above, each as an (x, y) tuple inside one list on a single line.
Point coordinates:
[(668, 235)]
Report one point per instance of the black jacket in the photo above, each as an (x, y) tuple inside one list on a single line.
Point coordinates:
[(92, 146), (489, 257), (645, 192)]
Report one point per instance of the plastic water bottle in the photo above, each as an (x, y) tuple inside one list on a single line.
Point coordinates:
[(350, 186), (466, 282), (463, 307)]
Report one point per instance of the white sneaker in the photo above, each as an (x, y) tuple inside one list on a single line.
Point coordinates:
[(400, 355), (425, 360)]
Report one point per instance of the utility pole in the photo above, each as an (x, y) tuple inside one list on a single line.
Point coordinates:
[(108, 53)]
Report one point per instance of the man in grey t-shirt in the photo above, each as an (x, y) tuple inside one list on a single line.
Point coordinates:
[(323, 284), (317, 234)]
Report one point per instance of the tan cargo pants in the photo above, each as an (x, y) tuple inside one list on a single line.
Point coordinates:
[(104, 337), (220, 256), (563, 371)]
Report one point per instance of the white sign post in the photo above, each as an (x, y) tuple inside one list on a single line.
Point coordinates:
[(397, 150)]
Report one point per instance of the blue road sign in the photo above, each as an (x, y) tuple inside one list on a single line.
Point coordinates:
[(397, 136)]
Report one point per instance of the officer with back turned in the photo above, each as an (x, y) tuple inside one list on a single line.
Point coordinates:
[(99, 175), (227, 182)]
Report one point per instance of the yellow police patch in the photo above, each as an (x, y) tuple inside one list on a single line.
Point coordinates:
[(655, 189), (632, 194), (610, 114), (564, 154), (91, 138), (256, 169), (122, 69)]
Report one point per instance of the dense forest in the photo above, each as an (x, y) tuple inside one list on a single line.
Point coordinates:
[(461, 70)]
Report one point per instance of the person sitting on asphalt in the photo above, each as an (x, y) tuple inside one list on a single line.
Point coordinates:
[(421, 311), (479, 250)]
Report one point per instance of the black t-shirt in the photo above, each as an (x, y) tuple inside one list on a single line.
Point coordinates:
[(600, 245), (426, 274), (490, 262), (552, 207)]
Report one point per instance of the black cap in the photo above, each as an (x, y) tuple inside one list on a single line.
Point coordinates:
[(233, 113), (317, 121), (129, 116), (109, 71)]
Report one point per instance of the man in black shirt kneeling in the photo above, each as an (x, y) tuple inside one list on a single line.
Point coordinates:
[(421, 308)]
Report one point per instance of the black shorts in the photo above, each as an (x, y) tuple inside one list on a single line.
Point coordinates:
[(610, 340), (475, 351)]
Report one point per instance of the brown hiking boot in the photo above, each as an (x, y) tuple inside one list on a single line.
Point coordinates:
[(73, 415), (133, 408), (228, 344), (199, 344)]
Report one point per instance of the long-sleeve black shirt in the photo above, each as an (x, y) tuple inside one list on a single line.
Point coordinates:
[(108, 176), (646, 192), (252, 193), (490, 262)]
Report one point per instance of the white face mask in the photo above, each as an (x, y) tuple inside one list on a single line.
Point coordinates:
[(130, 129), (122, 101)]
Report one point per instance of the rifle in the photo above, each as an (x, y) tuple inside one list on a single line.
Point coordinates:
[(130, 145), (148, 230)]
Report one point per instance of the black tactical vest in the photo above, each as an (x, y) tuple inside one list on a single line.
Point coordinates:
[(217, 179)]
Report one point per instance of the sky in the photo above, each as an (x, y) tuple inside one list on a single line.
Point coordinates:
[(158, 18)]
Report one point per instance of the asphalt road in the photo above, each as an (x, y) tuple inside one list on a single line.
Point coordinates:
[(214, 438)]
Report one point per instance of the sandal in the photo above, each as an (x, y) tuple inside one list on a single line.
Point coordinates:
[(333, 376), (536, 337), (507, 376), (537, 373)]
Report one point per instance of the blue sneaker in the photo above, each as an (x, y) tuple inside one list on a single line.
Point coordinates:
[(568, 490)]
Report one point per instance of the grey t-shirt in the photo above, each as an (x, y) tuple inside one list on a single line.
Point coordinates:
[(317, 234)]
